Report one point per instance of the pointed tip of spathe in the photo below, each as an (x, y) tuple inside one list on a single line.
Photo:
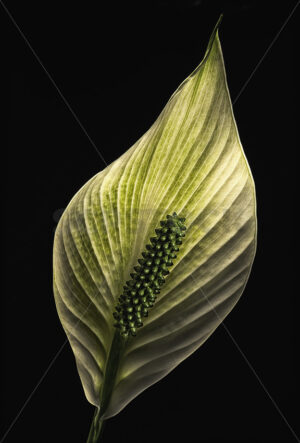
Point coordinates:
[(213, 37), (215, 30), (219, 20)]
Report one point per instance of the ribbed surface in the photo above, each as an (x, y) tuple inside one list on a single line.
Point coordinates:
[(190, 162)]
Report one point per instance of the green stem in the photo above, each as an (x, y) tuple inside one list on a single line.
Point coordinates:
[(111, 370), (96, 428)]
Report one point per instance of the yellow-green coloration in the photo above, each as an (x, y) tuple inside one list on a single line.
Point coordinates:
[(190, 161), (141, 291)]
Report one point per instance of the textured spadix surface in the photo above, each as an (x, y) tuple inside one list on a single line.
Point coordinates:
[(191, 162)]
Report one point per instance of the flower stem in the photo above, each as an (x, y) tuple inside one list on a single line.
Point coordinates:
[(96, 428), (112, 366)]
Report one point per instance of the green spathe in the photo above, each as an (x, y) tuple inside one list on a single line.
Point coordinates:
[(190, 161)]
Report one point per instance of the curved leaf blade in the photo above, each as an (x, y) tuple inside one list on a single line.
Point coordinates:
[(191, 162)]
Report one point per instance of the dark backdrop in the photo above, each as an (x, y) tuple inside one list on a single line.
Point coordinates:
[(117, 65)]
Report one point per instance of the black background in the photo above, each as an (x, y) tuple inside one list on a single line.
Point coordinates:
[(117, 65)]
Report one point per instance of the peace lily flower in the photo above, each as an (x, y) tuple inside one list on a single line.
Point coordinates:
[(154, 251)]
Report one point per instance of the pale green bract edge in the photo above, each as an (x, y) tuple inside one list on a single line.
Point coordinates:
[(191, 162)]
